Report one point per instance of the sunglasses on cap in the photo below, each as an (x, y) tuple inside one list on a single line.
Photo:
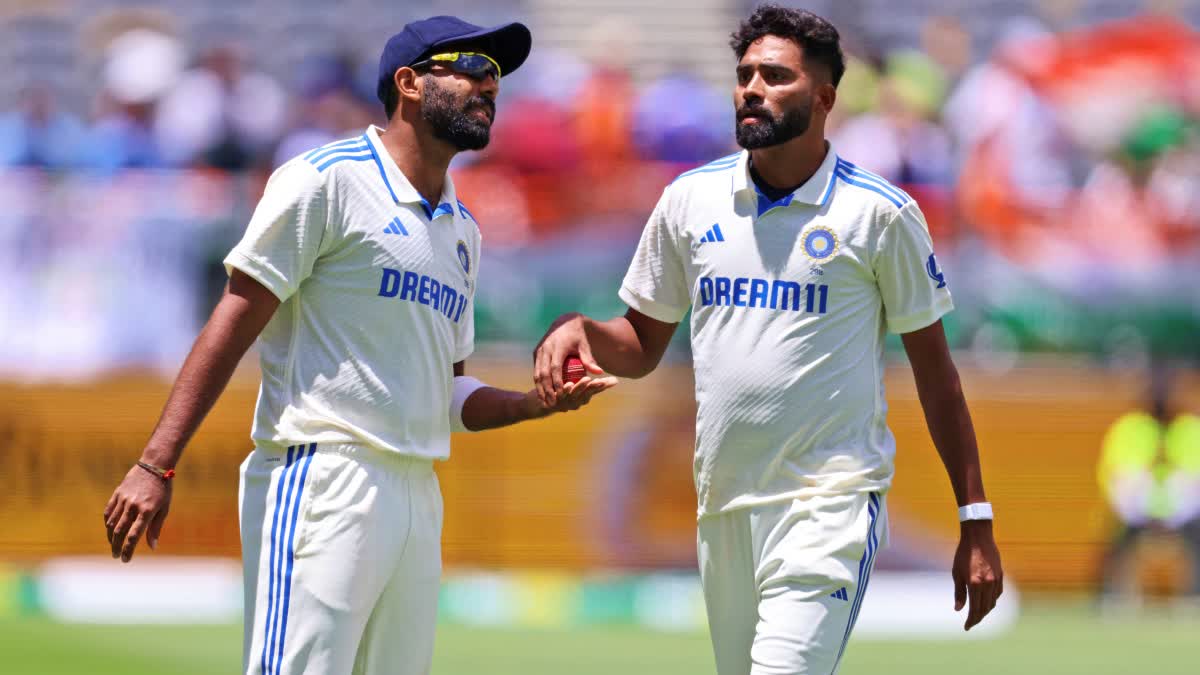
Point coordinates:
[(472, 64)]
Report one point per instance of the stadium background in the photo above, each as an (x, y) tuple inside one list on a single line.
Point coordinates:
[(1053, 146)]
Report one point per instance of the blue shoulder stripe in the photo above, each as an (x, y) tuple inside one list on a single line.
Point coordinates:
[(318, 157), (873, 178), (840, 173), (330, 146), (342, 158), (727, 160), (709, 168)]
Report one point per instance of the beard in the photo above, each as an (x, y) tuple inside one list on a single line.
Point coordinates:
[(771, 129), (454, 122)]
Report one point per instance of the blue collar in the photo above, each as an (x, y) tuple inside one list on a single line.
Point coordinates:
[(765, 204), (404, 192), (815, 191)]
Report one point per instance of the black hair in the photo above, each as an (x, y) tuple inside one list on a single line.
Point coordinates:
[(818, 39)]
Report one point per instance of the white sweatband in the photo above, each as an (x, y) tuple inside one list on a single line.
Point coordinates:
[(977, 511), (464, 386)]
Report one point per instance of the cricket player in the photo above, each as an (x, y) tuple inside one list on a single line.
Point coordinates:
[(357, 272), (794, 262)]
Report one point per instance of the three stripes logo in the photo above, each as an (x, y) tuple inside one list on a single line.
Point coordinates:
[(840, 594), (713, 234), (396, 227)]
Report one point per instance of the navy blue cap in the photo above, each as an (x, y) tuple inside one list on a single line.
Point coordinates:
[(508, 44)]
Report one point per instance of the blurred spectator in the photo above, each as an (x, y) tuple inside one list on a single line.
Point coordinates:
[(1149, 472), (325, 107), (38, 133), (141, 65), (899, 139), (695, 133), (221, 113), (604, 115)]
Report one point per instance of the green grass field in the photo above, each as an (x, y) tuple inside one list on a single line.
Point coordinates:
[(1059, 639)]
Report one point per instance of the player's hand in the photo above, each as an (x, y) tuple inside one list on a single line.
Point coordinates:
[(574, 395), (565, 337), (977, 573), (138, 506)]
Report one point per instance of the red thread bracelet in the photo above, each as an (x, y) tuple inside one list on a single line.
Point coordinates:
[(165, 474)]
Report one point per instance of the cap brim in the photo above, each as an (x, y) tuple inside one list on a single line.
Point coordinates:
[(508, 44)]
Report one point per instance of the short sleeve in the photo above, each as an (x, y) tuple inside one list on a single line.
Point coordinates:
[(911, 283), (655, 284), (285, 233)]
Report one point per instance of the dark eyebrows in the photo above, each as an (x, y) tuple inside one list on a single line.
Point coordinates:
[(767, 66)]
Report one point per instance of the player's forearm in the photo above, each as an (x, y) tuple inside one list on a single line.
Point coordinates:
[(618, 348), (492, 408), (953, 434), (234, 325)]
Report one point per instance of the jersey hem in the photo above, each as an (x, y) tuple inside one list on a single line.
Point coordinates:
[(755, 501)]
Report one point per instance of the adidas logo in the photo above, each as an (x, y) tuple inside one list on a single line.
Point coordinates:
[(840, 594), (396, 227), (713, 234)]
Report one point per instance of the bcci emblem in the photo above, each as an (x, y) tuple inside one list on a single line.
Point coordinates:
[(820, 243), (464, 257)]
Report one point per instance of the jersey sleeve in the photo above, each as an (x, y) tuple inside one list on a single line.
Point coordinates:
[(286, 232), (911, 283), (656, 284)]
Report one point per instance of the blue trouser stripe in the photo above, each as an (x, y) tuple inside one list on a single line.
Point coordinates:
[(271, 567), (277, 571), (864, 574), (291, 557)]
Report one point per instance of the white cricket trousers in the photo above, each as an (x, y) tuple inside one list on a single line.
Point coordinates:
[(783, 583), (341, 554)]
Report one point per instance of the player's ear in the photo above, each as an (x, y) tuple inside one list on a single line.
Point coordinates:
[(826, 96), (408, 84)]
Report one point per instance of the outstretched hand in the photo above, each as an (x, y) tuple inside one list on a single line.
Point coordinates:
[(575, 395), (565, 337)]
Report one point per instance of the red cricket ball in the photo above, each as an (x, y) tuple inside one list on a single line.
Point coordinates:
[(573, 370)]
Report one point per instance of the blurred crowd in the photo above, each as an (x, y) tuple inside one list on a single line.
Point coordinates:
[(1052, 157), (1084, 139)]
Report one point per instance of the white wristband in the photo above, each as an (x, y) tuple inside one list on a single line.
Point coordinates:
[(464, 386), (977, 511)]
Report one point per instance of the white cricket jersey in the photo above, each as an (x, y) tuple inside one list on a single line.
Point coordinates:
[(376, 288), (790, 301)]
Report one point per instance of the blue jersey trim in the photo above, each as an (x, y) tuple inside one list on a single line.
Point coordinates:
[(868, 186), (873, 178), (721, 164), (319, 155), (379, 165), (344, 158), (829, 187), (330, 146), (443, 209)]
